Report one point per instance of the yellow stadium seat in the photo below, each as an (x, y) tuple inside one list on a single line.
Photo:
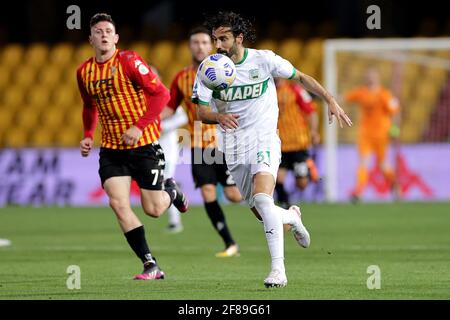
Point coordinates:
[(73, 116), (52, 117), (183, 53), (25, 76), (38, 96), (50, 75), (161, 54), (13, 97), (36, 54), (4, 76), (267, 44), (16, 138), (27, 117), (41, 137), (12, 55), (313, 49), (6, 116), (67, 137), (291, 49), (64, 95), (142, 48), (82, 53), (61, 54)]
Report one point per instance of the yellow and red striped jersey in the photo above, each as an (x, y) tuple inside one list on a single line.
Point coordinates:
[(202, 135), (122, 92), (295, 105)]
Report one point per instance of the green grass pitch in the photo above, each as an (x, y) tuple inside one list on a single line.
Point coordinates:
[(410, 242)]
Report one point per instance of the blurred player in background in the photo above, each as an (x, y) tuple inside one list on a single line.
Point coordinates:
[(378, 108), (171, 147), (203, 142), (169, 143), (298, 131), (247, 113), (120, 88)]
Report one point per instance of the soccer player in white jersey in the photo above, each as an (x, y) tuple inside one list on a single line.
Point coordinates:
[(169, 143), (247, 114)]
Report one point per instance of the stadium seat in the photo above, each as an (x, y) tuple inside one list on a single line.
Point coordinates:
[(290, 49), (73, 116), (6, 116), (41, 137), (13, 97), (38, 97), (53, 117), (26, 118), (16, 138), (61, 54), (50, 75), (63, 96), (36, 55), (184, 56), (267, 44), (68, 137), (142, 48), (12, 55), (161, 54), (4, 76), (24, 76), (84, 52)]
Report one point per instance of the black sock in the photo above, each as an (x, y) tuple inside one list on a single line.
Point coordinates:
[(282, 195), (217, 218), (137, 242)]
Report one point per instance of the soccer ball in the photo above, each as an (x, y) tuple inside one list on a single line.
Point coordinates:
[(217, 72)]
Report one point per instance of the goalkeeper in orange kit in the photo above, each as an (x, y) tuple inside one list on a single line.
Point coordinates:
[(378, 108)]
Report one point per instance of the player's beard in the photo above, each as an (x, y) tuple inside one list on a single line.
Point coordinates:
[(231, 52)]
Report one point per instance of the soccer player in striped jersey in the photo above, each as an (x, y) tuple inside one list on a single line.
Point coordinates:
[(298, 130), (205, 170), (247, 113), (119, 87)]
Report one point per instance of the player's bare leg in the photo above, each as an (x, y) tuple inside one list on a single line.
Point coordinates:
[(232, 194), (118, 191), (155, 202)]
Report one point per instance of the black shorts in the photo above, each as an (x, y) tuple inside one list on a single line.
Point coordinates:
[(296, 161), (208, 171), (144, 164)]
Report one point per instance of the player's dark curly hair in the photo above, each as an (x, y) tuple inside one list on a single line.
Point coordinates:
[(98, 17), (235, 21)]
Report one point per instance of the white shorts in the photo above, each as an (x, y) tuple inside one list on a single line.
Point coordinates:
[(265, 157)]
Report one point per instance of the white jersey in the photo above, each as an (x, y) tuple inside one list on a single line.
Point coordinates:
[(252, 97)]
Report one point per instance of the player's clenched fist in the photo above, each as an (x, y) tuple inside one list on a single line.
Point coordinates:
[(85, 146)]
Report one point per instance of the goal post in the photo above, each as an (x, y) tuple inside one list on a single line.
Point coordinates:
[(418, 59)]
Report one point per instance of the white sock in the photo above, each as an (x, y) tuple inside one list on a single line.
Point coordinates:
[(174, 215), (289, 217), (273, 227)]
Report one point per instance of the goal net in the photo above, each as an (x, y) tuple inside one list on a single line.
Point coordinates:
[(416, 71)]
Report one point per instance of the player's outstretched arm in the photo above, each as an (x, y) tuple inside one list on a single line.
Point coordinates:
[(226, 121), (310, 84)]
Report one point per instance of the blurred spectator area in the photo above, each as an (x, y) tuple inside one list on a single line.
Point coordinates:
[(40, 104)]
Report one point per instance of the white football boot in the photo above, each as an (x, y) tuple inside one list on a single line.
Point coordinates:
[(299, 231), (275, 279)]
